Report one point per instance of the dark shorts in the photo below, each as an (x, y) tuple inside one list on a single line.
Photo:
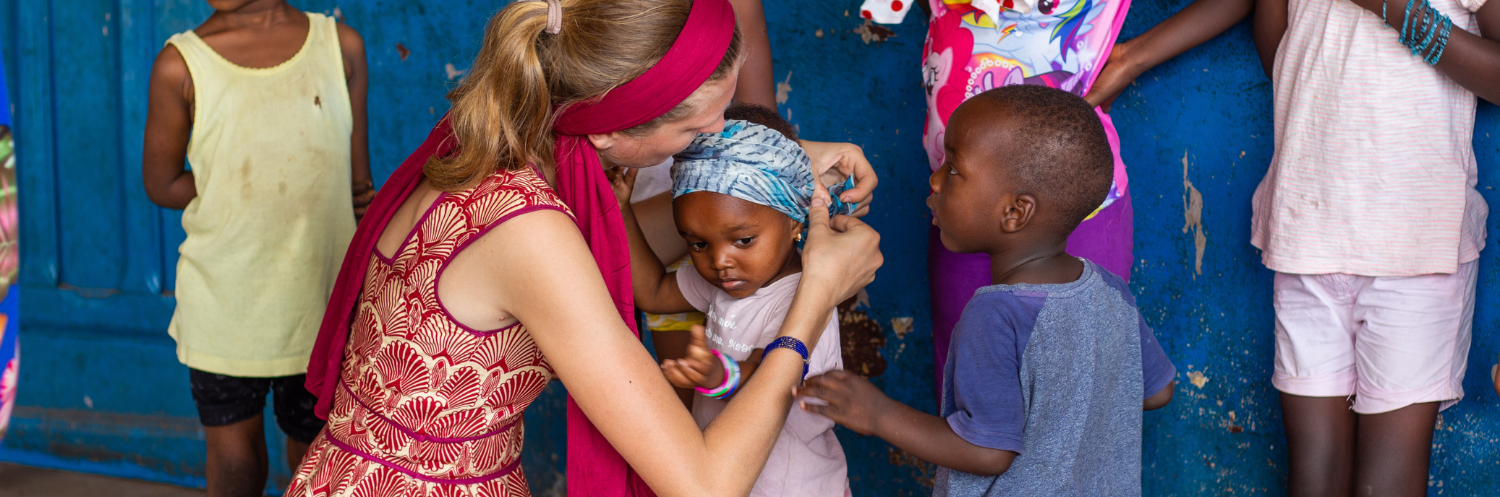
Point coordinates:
[(224, 400)]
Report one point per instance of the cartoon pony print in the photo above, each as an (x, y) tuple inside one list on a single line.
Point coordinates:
[(1044, 47), (949, 47)]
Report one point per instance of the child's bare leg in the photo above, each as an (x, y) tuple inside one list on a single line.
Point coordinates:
[(1320, 435), (237, 458), (1393, 451), (295, 450)]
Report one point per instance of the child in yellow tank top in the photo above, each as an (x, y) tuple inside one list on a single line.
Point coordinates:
[(267, 105)]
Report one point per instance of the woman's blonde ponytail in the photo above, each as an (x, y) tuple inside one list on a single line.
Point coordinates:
[(502, 109)]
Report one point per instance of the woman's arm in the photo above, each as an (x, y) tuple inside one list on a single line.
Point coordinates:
[(169, 124), (1469, 60), (539, 270), (1198, 22)]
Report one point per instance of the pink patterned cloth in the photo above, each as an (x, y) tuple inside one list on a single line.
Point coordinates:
[(426, 405)]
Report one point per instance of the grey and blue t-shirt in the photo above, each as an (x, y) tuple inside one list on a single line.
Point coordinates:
[(1057, 374)]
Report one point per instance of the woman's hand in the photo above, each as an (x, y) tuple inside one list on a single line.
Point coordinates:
[(835, 162), (622, 181), (841, 254), (699, 368), (1119, 71)]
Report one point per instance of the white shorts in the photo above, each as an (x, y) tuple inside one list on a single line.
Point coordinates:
[(1389, 341)]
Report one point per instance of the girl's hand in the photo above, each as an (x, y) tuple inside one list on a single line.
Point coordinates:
[(699, 368), (852, 400), (1118, 73), (622, 180), (840, 256), (835, 162)]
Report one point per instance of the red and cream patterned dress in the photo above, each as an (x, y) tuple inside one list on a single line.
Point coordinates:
[(428, 406)]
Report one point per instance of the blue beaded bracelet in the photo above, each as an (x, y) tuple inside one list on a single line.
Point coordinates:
[(789, 343)]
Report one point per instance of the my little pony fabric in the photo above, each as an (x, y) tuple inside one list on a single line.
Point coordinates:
[(755, 163), (977, 45)]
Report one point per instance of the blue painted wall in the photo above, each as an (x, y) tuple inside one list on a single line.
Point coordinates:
[(101, 390)]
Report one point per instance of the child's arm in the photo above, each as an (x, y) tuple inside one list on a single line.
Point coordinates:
[(1198, 22), (357, 75), (169, 125), (756, 84), (656, 290), (1469, 60), (855, 403), (1160, 399)]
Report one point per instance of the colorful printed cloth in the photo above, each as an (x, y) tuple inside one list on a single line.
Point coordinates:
[(10, 347), (974, 46), (755, 163)]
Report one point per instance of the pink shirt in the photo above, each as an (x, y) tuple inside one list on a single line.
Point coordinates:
[(807, 459), (1374, 167)]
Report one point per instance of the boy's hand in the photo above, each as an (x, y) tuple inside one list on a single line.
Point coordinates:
[(852, 400), (364, 193), (622, 180), (699, 368)]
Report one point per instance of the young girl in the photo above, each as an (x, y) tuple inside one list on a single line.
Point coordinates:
[(977, 45), (268, 105), (740, 202), (1368, 214)]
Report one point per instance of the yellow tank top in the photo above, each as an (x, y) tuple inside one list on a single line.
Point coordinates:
[(270, 157)]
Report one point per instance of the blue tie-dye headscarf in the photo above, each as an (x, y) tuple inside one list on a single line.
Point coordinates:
[(755, 163)]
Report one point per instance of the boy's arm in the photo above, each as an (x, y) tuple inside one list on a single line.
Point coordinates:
[(357, 75), (1198, 22), (1160, 399), (1469, 60), (169, 125), (655, 289), (855, 403)]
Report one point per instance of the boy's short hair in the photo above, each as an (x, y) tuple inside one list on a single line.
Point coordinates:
[(1060, 148), (763, 116)]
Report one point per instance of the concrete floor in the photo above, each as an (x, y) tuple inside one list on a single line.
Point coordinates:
[(23, 481)]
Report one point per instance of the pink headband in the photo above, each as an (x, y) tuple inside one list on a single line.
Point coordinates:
[(687, 65)]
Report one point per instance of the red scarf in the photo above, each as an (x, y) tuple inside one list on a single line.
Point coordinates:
[(594, 467)]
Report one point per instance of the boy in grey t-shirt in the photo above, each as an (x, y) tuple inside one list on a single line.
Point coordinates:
[(1043, 389)]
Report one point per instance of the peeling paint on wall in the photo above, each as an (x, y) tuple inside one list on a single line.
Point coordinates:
[(783, 88), (453, 73), (1192, 202), (869, 32), (1197, 378)]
